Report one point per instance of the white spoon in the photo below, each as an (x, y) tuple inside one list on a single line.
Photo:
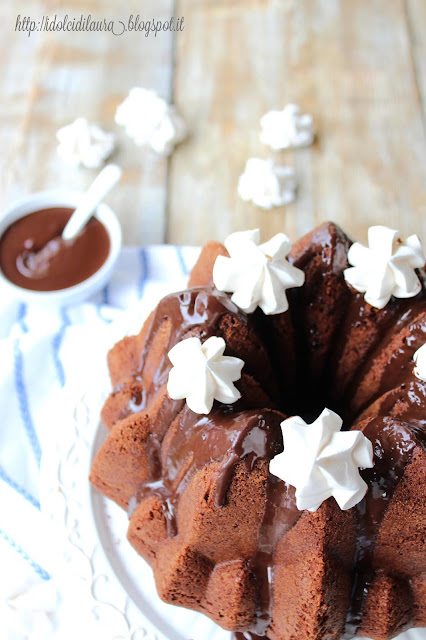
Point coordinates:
[(102, 184)]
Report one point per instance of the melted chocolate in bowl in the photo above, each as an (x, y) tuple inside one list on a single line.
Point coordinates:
[(34, 256)]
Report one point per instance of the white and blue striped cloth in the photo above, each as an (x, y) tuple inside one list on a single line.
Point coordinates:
[(38, 353)]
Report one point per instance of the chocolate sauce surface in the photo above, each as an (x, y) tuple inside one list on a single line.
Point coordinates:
[(34, 256)]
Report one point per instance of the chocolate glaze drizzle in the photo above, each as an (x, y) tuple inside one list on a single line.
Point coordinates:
[(195, 312), (382, 326), (228, 439), (229, 436), (399, 363), (406, 402), (281, 514), (393, 444), (224, 436), (199, 440)]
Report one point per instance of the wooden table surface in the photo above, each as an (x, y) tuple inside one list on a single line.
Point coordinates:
[(359, 66)]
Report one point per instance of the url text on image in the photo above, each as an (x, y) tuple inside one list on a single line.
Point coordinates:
[(87, 23)]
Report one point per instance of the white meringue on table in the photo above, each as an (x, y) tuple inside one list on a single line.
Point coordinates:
[(202, 374), (420, 363), (150, 120), (287, 128), (82, 143), (386, 267), (266, 184), (257, 275), (321, 461)]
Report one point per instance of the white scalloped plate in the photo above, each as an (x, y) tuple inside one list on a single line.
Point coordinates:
[(107, 589)]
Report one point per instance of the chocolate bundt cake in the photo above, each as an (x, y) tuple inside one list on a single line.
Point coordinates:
[(207, 476)]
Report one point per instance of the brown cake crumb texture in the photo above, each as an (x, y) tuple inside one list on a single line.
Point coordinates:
[(222, 535)]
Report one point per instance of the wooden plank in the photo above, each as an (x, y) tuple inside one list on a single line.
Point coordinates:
[(416, 24), (49, 79), (349, 63)]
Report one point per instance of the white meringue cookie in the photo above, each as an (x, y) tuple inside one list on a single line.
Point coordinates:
[(150, 120), (81, 143), (257, 275), (267, 185), (287, 128), (202, 374), (420, 361), (321, 461), (386, 267)]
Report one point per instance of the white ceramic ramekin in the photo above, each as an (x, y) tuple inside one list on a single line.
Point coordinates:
[(82, 290)]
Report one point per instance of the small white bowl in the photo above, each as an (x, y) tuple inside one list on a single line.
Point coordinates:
[(82, 290)]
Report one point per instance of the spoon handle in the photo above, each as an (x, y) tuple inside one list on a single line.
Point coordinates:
[(102, 184)]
